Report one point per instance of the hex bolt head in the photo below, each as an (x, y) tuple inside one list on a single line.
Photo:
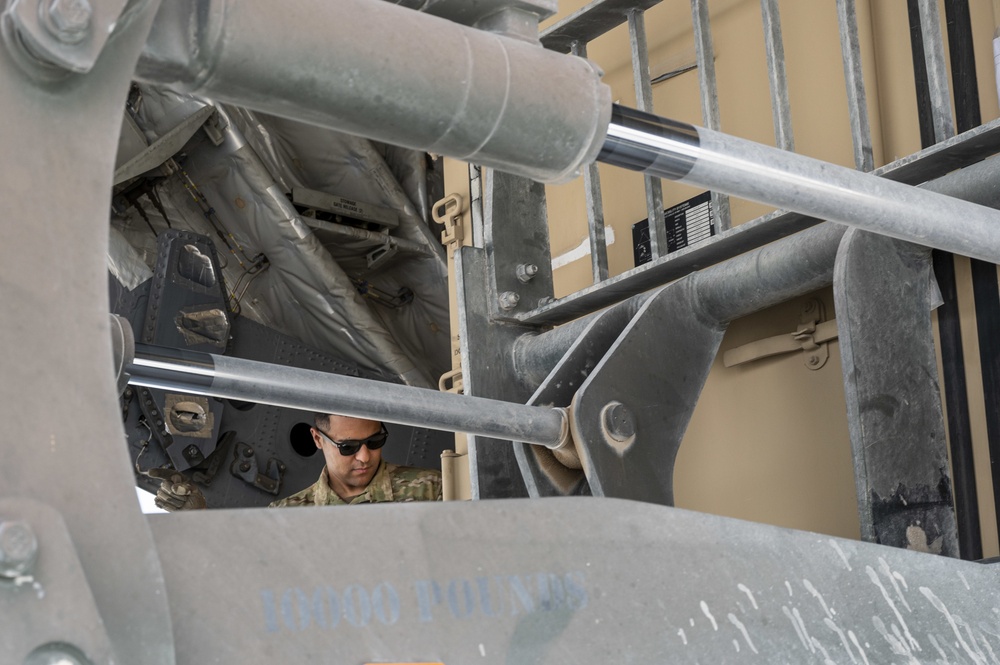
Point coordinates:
[(526, 271), (618, 421), (508, 300), (18, 548), (67, 20)]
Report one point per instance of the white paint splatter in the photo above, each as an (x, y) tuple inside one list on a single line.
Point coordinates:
[(843, 638), (843, 556), (744, 589), (802, 624), (811, 589), (940, 607), (692, 622), (581, 250), (798, 630), (902, 580), (704, 609), (885, 594), (887, 571), (743, 629), (937, 646), (986, 643), (854, 639), (972, 638), (899, 645), (736, 645), (964, 581), (788, 585), (482, 650), (826, 654), (684, 638)]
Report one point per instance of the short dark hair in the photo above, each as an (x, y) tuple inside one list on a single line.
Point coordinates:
[(321, 421)]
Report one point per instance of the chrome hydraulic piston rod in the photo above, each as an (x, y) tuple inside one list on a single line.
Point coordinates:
[(309, 390), (698, 156)]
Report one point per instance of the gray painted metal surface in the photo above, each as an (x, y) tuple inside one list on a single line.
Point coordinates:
[(882, 290), (775, 49), (450, 101), (34, 606), (516, 236), (55, 337), (559, 581)]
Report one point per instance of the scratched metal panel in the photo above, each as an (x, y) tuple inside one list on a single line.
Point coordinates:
[(557, 581)]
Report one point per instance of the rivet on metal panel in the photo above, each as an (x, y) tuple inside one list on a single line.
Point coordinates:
[(508, 300), (618, 426), (67, 20), (18, 548)]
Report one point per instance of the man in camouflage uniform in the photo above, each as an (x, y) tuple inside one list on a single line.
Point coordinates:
[(355, 471)]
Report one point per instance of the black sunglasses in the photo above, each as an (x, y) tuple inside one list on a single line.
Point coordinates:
[(349, 447)]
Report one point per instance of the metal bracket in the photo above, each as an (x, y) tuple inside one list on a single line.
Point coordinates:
[(245, 466), (165, 147), (630, 414), (811, 337), (552, 472)]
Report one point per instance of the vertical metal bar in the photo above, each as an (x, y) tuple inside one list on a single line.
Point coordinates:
[(922, 88), (857, 104), (705, 53), (595, 204), (644, 102), (773, 45), (987, 300), (937, 73), (880, 288)]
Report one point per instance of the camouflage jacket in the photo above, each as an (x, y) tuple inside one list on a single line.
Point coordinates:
[(390, 483)]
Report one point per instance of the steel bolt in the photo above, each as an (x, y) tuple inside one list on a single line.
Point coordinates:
[(68, 20), (547, 300), (526, 271), (18, 548), (618, 421), (244, 466), (509, 300), (56, 653)]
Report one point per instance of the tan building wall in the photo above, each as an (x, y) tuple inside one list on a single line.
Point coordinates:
[(768, 441)]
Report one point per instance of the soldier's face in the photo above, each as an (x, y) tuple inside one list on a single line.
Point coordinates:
[(349, 475)]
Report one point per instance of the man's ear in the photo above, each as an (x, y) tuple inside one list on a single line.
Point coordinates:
[(317, 439)]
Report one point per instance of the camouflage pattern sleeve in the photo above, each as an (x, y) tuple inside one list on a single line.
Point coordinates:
[(412, 484)]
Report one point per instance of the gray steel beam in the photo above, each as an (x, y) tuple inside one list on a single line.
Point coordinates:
[(882, 289), (933, 162), (308, 390), (699, 156), (753, 281), (480, 102)]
